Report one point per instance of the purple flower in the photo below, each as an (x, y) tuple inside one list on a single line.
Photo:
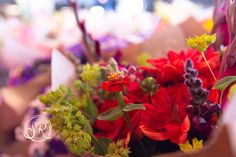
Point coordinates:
[(201, 111), (25, 74)]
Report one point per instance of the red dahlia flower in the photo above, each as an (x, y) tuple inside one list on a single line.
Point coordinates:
[(166, 118), (171, 69), (116, 82)]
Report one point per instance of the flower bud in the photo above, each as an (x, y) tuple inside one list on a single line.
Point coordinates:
[(149, 85)]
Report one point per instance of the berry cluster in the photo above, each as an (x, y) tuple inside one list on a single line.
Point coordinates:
[(200, 110)]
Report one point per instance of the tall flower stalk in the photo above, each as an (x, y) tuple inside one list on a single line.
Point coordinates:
[(201, 43), (200, 110), (91, 47)]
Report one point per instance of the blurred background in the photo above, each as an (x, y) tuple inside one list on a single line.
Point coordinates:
[(49, 23)]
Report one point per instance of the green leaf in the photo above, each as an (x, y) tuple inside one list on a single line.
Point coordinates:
[(111, 114), (79, 85), (92, 109), (224, 83), (101, 145), (88, 128), (131, 107)]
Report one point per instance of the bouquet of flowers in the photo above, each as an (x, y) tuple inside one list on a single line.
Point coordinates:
[(124, 110), (117, 110)]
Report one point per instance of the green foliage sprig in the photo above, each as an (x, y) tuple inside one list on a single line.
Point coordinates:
[(73, 113), (68, 121)]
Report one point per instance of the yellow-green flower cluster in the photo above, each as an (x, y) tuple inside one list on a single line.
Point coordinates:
[(78, 140), (68, 121), (117, 149), (91, 74), (201, 43), (195, 146)]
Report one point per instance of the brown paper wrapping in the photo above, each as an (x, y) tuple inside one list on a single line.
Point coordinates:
[(165, 38), (218, 146), (15, 101)]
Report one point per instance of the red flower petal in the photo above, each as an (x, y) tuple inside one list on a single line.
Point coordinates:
[(173, 56), (214, 96), (153, 134)]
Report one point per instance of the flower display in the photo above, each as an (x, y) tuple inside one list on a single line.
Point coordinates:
[(117, 110)]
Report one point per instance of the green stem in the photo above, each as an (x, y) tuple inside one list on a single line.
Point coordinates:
[(221, 96), (119, 96), (98, 143), (212, 73)]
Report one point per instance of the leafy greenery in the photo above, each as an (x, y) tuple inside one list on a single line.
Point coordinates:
[(68, 121), (73, 113), (224, 83), (132, 107), (111, 114), (91, 74), (101, 144)]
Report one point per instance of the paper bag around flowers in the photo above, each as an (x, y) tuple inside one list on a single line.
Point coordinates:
[(15, 100), (217, 146), (157, 45), (163, 39), (166, 37)]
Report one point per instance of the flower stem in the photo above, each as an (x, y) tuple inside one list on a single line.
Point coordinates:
[(221, 96), (212, 73), (86, 47), (98, 143), (119, 96)]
